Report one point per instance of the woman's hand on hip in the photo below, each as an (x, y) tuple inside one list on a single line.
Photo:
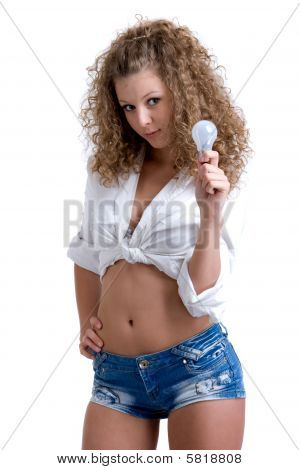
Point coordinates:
[(90, 339)]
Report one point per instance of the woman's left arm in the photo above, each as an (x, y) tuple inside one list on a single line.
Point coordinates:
[(211, 190), (205, 264), (211, 261)]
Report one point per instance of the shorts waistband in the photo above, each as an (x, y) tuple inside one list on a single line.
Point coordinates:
[(213, 331)]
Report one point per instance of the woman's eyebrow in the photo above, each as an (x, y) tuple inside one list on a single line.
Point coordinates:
[(123, 101)]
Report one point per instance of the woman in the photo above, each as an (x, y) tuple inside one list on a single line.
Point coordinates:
[(159, 266)]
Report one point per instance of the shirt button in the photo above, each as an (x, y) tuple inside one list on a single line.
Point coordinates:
[(184, 361)]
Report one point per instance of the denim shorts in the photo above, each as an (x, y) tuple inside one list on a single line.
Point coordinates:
[(150, 386)]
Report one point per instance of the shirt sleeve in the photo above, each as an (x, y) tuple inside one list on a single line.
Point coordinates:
[(213, 300), (82, 248)]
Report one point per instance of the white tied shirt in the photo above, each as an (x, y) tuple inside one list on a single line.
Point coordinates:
[(165, 235)]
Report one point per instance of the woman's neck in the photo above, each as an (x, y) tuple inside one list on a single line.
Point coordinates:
[(160, 159)]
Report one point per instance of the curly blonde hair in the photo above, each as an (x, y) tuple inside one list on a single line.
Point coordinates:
[(198, 92)]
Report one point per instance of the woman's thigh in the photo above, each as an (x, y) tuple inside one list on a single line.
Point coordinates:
[(209, 424), (106, 428)]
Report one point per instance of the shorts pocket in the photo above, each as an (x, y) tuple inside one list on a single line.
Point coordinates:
[(102, 393), (210, 358)]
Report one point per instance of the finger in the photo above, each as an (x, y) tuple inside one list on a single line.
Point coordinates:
[(219, 185), (206, 173), (94, 337), (86, 353), (95, 322), (87, 342), (212, 177), (210, 168), (210, 156), (96, 342), (93, 334)]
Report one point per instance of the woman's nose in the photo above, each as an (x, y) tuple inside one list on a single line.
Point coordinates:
[(144, 117)]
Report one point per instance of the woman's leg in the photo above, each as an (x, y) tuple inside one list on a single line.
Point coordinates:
[(106, 428), (209, 424)]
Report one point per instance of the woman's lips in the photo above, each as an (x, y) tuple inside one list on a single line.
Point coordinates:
[(153, 133)]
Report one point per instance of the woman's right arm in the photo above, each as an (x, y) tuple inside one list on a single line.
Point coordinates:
[(84, 252), (88, 293)]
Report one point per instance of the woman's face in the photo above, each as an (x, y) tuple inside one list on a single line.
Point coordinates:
[(146, 103)]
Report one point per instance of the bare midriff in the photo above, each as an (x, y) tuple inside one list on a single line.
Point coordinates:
[(142, 312)]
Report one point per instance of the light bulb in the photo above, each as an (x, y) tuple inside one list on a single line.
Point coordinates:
[(204, 134)]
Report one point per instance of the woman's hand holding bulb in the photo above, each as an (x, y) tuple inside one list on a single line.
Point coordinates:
[(212, 185)]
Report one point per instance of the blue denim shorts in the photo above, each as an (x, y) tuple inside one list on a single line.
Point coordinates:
[(150, 386)]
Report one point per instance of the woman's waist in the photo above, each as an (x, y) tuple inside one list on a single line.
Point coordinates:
[(130, 337), (148, 329), (142, 312)]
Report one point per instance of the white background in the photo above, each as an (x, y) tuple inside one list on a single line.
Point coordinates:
[(45, 49)]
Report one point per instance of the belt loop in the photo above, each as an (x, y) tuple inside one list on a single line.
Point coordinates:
[(225, 332)]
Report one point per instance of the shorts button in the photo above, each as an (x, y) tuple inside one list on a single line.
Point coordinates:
[(144, 364), (184, 361)]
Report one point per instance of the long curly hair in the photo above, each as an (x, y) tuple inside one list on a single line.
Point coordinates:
[(198, 92)]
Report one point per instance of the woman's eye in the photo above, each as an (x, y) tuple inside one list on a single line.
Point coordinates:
[(125, 106)]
